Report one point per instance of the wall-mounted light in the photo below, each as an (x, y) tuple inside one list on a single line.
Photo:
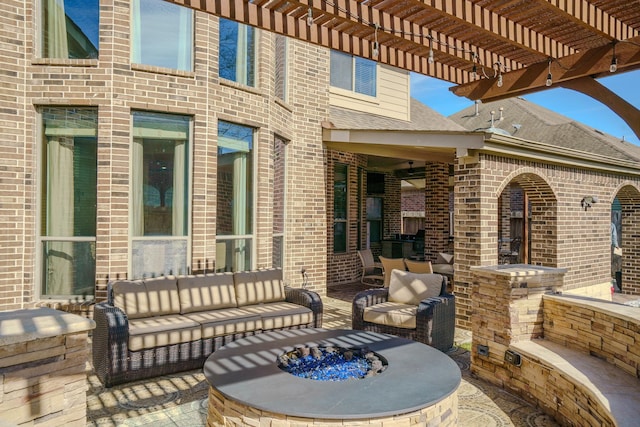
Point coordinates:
[(587, 201)]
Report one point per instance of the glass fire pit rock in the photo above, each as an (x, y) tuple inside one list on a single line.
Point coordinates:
[(332, 363)]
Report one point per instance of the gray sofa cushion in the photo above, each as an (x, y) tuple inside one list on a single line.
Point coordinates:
[(206, 292), (132, 298), (262, 286), (392, 314), (283, 314), (150, 332), (163, 295), (226, 321)]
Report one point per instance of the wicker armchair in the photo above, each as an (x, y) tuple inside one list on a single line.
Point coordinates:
[(434, 316)]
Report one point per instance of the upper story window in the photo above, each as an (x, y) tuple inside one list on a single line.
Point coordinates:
[(237, 55), (161, 34), (70, 29), (353, 73)]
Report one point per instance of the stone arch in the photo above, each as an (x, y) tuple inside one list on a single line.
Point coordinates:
[(537, 238), (628, 195)]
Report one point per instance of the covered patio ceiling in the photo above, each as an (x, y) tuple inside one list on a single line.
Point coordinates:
[(490, 49)]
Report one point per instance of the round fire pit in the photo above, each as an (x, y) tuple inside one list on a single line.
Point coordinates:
[(247, 386)]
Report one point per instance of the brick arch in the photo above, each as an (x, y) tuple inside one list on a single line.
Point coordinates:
[(628, 194), (540, 244), (530, 179)]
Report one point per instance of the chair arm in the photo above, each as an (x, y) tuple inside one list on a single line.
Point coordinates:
[(306, 298), (436, 321), (363, 300), (110, 341)]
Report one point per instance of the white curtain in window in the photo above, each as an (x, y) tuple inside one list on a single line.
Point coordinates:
[(179, 165), (60, 215), (241, 54), (56, 30), (137, 187), (184, 38), (136, 33), (240, 206)]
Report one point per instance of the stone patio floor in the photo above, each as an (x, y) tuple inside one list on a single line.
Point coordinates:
[(181, 399)]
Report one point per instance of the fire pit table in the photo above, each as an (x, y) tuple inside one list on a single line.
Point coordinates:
[(247, 386)]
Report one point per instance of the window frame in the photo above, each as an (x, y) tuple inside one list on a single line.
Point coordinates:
[(252, 236), (256, 35), (354, 60), (42, 237), (344, 220), (187, 237), (141, 62)]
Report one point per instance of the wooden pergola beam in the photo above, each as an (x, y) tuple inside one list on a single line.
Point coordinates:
[(590, 87), (588, 63)]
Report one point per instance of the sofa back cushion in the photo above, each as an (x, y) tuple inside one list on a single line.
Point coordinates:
[(207, 292), (411, 288), (255, 287), (163, 295), (132, 298)]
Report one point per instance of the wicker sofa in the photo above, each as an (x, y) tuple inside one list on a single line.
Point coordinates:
[(414, 306), (153, 327)]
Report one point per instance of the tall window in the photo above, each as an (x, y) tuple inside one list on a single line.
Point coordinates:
[(281, 67), (235, 197), (374, 219), (70, 28), (353, 73), (68, 220), (237, 56), (159, 194), (340, 198), (161, 34), (279, 189)]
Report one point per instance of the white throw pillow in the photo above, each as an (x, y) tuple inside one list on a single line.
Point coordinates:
[(411, 288)]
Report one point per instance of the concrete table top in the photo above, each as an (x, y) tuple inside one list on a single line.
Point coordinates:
[(417, 376)]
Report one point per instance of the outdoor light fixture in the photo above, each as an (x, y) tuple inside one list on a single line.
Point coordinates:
[(587, 201), (310, 17), (376, 47), (549, 78), (614, 61), (500, 80), (430, 58)]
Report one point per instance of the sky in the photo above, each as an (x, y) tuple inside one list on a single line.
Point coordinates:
[(435, 94)]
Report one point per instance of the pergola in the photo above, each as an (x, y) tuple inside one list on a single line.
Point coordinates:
[(490, 49)]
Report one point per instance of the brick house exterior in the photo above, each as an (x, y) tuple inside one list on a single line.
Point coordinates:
[(309, 131)]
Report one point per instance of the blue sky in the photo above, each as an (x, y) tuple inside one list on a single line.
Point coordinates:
[(435, 94)]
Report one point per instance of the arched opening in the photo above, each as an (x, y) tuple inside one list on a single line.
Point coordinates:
[(527, 221), (625, 217)]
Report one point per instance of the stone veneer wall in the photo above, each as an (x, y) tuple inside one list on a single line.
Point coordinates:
[(507, 308), (115, 87), (43, 368), (224, 412)]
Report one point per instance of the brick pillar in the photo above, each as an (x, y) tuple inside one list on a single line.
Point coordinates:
[(436, 196), (507, 308)]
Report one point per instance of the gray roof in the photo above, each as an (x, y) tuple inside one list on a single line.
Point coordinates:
[(423, 118), (529, 121)]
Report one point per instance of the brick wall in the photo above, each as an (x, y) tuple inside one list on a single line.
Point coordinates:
[(116, 87), (563, 234)]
